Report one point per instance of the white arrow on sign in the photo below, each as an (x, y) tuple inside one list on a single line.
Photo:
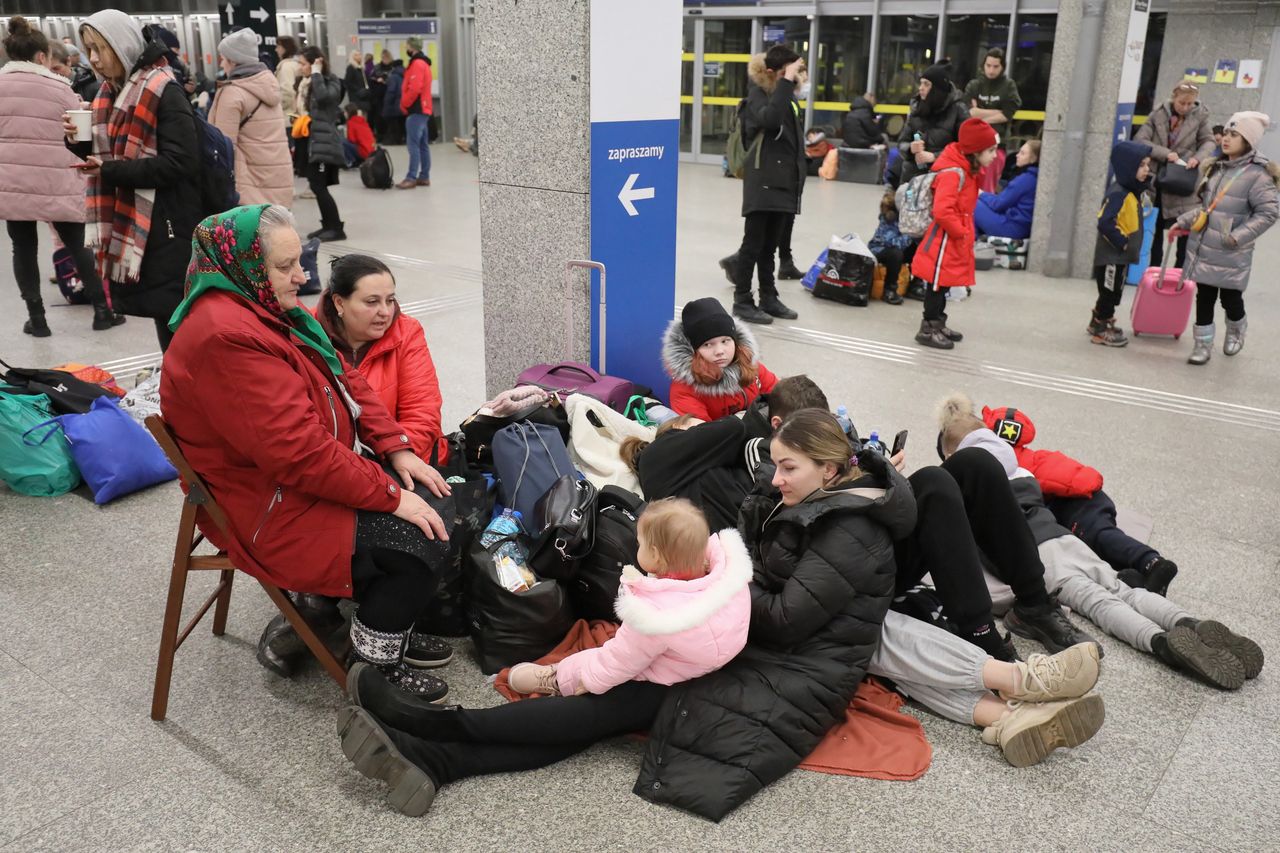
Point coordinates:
[(629, 194), (260, 14), (230, 15)]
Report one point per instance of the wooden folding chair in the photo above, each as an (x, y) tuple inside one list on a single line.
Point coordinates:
[(184, 561)]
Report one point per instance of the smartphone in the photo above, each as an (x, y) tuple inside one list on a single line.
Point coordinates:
[(899, 443)]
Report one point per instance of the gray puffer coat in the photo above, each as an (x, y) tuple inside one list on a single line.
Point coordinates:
[(1195, 139), (322, 105), (1222, 254)]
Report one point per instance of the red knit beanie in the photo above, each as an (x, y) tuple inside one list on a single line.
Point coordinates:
[(976, 135)]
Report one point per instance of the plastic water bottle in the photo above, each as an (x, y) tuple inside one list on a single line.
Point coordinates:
[(507, 524), (842, 415), (874, 443)]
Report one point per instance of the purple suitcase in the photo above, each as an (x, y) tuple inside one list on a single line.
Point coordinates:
[(1162, 305)]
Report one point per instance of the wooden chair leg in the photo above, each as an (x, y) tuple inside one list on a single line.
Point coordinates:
[(169, 639), (224, 603), (331, 664)]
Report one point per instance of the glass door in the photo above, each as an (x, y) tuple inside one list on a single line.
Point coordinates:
[(714, 55)]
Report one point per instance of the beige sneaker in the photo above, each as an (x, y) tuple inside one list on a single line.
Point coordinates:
[(529, 678), (1070, 673), (1029, 732)]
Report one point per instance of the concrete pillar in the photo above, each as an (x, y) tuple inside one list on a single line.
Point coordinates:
[(534, 92), (1055, 192), (340, 20)]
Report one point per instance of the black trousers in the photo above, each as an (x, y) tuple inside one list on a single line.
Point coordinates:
[(1207, 294), (1158, 245), (761, 234), (935, 302), (1110, 280), (784, 240), (452, 744), (998, 525), (318, 181), (26, 263), (1093, 519), (892, 258)]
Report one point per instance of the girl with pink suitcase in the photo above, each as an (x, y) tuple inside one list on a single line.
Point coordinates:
[(1239, 201)]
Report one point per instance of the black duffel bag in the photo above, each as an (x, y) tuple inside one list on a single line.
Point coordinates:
[(594, 586), (67, 394), (510, 627), (564, 524)]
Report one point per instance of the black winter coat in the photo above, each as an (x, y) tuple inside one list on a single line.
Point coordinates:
[(776, 118), (860, 129), (357, 87), (824, 577), (938, 129), (322, 104), (705, 464), (175, 212)]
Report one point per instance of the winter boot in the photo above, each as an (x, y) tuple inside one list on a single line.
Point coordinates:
[(385, 650), (744, 305), (1234, 341), (773, 306), (892, 296), (104, 318), (36, 325), (747, 312), (952, 334), (931, 335), (334, 233), (916, 289), (1105, 333), (729, 265), (788, 271), (1203, 349)]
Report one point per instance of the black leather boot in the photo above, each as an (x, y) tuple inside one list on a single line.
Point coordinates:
[(104, 318), (36, 325)]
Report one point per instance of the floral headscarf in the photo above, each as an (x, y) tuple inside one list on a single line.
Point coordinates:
[(226, 254)]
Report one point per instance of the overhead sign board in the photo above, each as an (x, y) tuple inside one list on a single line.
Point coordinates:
[(257, 15)]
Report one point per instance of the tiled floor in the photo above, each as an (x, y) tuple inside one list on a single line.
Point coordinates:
[(247, 761)]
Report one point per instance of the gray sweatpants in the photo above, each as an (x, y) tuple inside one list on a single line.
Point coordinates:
[(935, 667), (1084, 582)]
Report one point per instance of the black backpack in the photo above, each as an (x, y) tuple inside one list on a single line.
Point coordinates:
[(594, 585), (217, 168), (377, 169)]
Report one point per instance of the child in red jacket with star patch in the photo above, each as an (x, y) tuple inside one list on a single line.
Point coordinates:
[(1073, 493)]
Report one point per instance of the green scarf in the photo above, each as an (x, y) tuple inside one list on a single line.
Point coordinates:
[(226, 254)]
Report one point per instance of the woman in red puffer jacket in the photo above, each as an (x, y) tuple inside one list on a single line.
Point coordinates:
[(945, 256)]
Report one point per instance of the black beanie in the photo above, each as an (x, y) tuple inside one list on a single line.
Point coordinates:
[(939, 76), (704, 319)]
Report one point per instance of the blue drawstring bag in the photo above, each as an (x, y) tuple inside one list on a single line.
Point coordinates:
[(115, 455)]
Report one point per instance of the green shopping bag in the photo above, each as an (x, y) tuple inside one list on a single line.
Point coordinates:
[(34, 456)]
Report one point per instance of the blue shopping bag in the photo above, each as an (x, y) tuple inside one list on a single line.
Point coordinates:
[(1149, 215), (115, 455)]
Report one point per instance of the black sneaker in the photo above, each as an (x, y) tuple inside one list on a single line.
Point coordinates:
[(1047, 625), (892, 296), (1184, 649), (426, 652), (1158, 574), (369, 747), (789, 271), (774, 308), (749, 313)]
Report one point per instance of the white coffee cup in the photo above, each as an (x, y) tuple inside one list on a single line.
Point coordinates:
[(83, 120)]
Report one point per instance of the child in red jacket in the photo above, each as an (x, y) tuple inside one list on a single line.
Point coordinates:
[(359, 142), (711, 359), (945, 256), (1073, 493)]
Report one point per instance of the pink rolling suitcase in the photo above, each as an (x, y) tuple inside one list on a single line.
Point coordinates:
[(1162, 305)]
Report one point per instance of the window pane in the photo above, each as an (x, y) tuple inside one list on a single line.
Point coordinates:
[(969, 37), (1032, 57), (906, 50), (843, 46), (726, 46), (795, 34)]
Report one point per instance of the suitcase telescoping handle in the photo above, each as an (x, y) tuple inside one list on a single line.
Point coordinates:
[(1174, 234), (568, 300)]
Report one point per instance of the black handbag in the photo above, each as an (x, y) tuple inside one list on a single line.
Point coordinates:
[(594, 587), (565, 518), (1177, 180)]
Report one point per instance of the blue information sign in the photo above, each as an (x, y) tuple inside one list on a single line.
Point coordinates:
[(634, 170), (774, 34), (398, 26)]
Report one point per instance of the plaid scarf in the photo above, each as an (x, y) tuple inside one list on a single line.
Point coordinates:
[(124, 128)]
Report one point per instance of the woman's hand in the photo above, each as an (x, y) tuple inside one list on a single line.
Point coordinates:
[(924, 158), (411, 468), (899, 461), (1172, 157), (917, 147), (1193, 163), (68, 127), (90, 167), (414, 510)]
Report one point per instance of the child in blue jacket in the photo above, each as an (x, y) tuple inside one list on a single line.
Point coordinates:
[(1119, 237), (1008, 213), (891, 247)]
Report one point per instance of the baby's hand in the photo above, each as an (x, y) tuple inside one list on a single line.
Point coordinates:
[(580, 691)]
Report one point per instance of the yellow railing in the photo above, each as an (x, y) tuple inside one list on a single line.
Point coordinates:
[(838, 107)]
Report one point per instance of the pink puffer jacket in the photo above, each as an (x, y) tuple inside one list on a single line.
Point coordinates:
[(247, 110), (672, 630), (37, 183)]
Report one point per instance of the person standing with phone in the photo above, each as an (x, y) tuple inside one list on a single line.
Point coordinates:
[(139, 161), (321, 92)]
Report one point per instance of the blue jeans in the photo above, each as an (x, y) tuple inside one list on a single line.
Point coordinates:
[(415, 127)]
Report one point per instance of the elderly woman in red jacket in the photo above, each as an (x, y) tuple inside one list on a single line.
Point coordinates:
[(316, 477), (945, 256)]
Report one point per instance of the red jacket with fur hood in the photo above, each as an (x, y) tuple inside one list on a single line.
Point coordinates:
[(728, 396), (1058, 474)]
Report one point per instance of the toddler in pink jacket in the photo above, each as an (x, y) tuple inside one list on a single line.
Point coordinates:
[(686, 617)]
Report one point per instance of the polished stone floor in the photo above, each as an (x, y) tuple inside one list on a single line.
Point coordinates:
[(247, 761)]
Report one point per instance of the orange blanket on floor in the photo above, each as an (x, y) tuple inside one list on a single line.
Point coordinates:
[(876, 739)]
